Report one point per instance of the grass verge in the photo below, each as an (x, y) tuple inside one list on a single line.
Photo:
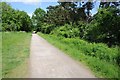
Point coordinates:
[(0, 55), (98, 57), (15, 52)]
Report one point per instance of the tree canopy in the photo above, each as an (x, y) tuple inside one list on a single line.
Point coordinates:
[(14, 20), (38, 18)]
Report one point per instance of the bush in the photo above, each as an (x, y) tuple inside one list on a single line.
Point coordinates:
[(99, 50), (66, 31), (45, 28), (83, 28)]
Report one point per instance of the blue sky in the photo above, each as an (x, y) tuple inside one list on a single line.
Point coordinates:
[(30, 7)]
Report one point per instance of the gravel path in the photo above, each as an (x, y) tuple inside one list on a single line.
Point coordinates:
[(46, 61)]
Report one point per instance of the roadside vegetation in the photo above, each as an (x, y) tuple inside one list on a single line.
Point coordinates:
[(14, 20), (15, 41), (15, 52), (0, 55), (101, 59)]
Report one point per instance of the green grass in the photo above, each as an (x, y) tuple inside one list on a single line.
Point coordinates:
[(0, 55), (15, 52), (98, 57)]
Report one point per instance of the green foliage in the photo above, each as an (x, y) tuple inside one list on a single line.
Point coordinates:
[(66, 31), (83, 29), (24, 21), (102, 27), (46, 28), (109, 4), (99, 57), (105, 26), (67, 12), (38, 18), (1, 55), (100, 51), (15, 50), (57, 15), (14, 20)]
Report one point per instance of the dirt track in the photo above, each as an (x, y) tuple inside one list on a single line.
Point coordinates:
[(46, 61)]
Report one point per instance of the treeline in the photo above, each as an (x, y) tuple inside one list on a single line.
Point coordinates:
[(14, 20), (68, 19), (74, 19)]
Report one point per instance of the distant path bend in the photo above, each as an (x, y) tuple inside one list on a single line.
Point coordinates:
[(46, 61)]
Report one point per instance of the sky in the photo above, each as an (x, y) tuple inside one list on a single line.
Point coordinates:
[(30, 6)]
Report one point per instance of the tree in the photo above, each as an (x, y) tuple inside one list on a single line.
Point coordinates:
[(57, 15), (106, 26), (25, 21), (88, 6), (14, 20), (109, 4), (38, 18), (7, 16), (68, 12)]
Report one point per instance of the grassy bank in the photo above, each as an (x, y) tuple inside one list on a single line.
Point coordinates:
[(0, 55), (15, 52), (100, 59)]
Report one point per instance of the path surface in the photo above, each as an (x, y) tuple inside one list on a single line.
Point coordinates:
[(46, 61)]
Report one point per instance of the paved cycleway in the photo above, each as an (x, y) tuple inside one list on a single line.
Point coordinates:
[(46, 61)]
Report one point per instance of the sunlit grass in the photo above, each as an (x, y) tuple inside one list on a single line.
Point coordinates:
[(15, 50), (0, 55)]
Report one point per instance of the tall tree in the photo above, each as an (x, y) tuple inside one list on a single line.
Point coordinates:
[(38, 18), (106, 25), (68, 12), (7, 16), (25, 21), (88, 6), (57, 15)]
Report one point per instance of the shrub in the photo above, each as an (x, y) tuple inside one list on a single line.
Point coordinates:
[(83, 27), (99, 50), (66, 31), (45, 28)]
